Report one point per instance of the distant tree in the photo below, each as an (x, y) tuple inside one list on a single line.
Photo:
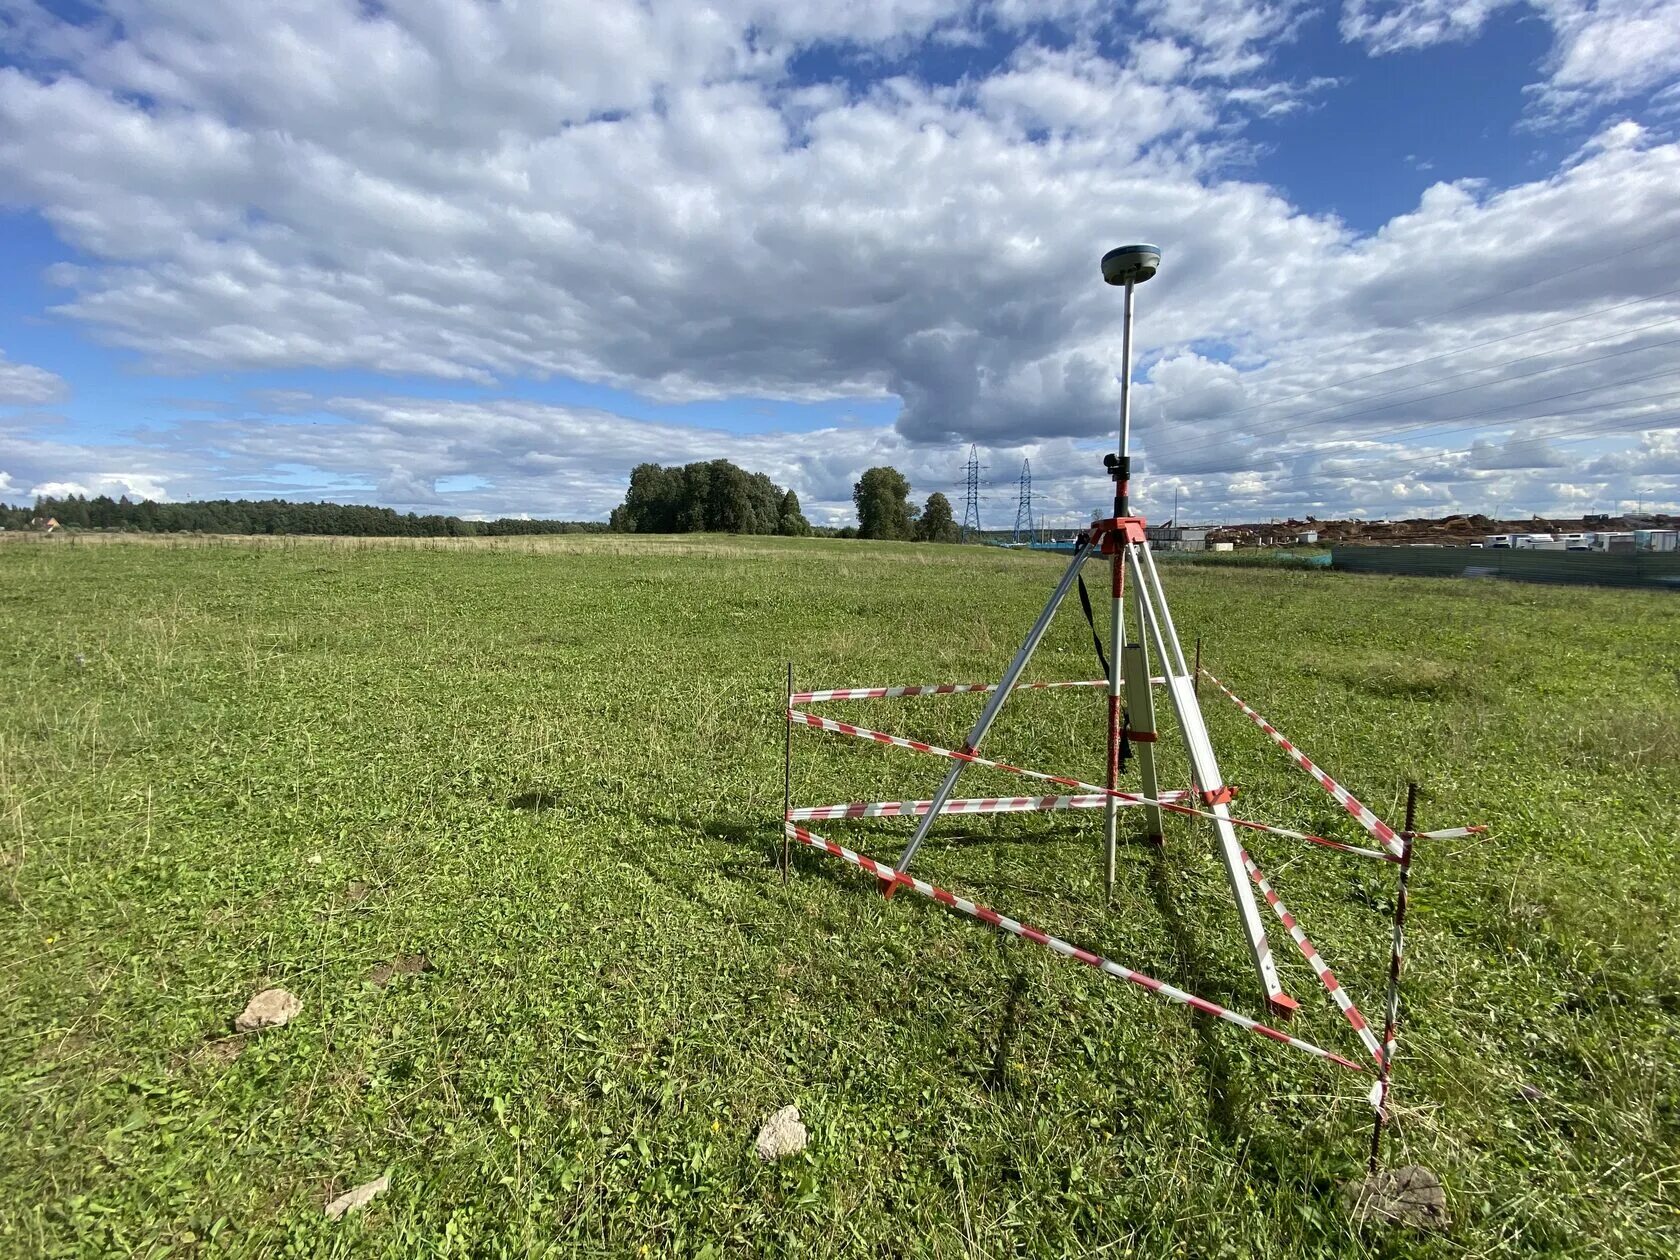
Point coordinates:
[(711, 495), (936, 523), (790, 521), (882, 496), (846, 531), (729, 501)]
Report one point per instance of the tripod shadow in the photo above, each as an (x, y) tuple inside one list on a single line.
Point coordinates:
[(1009, 1032), (1223, 1095)]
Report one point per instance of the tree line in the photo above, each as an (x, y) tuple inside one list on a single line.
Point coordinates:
[(711, 496), (270, 516), (715, 496)]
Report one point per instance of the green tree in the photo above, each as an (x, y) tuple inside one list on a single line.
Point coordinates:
[(936, 523), (882, 496), (790, 521)]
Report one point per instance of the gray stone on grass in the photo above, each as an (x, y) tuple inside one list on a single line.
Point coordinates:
[(272, 1008), (1410, 1195), (358, 1198), (781, 1135)]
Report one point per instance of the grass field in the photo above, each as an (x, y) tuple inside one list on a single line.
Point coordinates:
[(555, 769)]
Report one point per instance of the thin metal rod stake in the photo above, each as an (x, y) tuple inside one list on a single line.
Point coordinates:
[(1116, 648), (787, 769), (1006, 685), (1391, 1025), (1196, 678)]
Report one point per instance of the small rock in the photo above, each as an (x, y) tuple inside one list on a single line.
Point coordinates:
[(272, 1008), (782, 1135), (314, 859), (1410, 1195), (358, 1198)]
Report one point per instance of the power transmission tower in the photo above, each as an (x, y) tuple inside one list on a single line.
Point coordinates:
[(971, 496), (1024, 508)]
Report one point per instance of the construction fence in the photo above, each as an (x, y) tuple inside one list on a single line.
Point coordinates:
[(1640, 568)]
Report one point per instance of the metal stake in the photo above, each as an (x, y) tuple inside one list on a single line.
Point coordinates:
[(787, 769), (1392, 1023)]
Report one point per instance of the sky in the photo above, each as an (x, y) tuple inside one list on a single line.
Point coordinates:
[(485, 256)]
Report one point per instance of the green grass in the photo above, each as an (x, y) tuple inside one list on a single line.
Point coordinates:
[(554, 768)]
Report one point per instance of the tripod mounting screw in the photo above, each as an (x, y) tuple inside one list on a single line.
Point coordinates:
[(1131, 264)]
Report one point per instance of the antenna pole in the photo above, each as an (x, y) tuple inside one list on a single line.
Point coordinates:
[(1123, 468)]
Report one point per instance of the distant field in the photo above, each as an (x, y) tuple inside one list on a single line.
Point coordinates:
[(554, 767)]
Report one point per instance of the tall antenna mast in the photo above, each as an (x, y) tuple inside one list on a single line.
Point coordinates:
[(971, 497), (1023, 506)]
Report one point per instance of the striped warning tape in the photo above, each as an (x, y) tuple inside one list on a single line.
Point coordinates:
[(821, 723), (1362, 815), (940, 689), (987, 915), (970, 805), (1309, 951), (1446, 833)]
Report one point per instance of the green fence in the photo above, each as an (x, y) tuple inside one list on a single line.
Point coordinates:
[(1639, 568)]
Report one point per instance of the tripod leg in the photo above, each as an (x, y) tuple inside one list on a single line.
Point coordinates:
[(1205, 767), (1140, 709), (1116, 646), (978, 732)]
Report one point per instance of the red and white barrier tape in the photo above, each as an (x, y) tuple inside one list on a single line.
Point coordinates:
[(1348, 801), (987, 915), (1309, 951), (1448, 833), (969, 805), (941, 689), (1125, 798)]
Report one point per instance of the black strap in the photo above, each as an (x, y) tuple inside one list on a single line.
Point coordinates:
[(1085, 603)]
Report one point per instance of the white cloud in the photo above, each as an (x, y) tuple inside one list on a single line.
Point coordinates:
[(136, 485), (1602, 50), (58, 490), (22, 385), (1398, 25), (643, 196)]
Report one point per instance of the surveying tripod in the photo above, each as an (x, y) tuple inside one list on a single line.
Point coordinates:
[(1122, 539)]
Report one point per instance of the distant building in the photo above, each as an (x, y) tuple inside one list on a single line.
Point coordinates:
[(1307, 536), (1178, 537)]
